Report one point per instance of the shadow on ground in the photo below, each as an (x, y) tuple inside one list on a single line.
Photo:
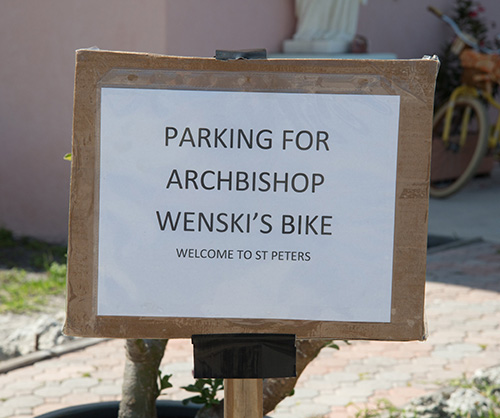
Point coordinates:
[(470, 263)]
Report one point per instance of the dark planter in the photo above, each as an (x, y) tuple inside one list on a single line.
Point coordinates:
[(165, 409)]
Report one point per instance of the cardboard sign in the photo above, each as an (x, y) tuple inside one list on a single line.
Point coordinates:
[(283, 196)]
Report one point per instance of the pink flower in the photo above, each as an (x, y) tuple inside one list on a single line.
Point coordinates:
[(476, 10)]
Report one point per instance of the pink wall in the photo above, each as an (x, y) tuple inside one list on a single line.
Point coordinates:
[(403, 27), (198, 28), (38, 40), (37, 44), (406, 28)]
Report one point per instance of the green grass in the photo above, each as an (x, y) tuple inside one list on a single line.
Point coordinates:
[(20, 292), (33, 271), (383, 407), (29, 253)]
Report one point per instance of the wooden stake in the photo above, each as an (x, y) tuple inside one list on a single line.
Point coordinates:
[(243, 398)]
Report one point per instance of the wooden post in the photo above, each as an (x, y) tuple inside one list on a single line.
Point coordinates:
[(243, 398)]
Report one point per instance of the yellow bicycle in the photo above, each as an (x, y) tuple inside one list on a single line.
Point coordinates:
[(462, 136)]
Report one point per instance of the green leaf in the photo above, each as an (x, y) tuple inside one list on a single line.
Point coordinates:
[(164, 381), (67, 157), (207, 389)]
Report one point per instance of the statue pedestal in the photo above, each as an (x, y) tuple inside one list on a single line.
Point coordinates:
[(324, 26), (315, 46)]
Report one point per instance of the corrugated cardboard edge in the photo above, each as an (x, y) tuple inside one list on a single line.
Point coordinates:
[(413, 80)]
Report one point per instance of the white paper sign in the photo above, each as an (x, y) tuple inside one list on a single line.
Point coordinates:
[(246, 204)]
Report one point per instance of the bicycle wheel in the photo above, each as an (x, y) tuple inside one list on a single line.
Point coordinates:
[(454, 163)]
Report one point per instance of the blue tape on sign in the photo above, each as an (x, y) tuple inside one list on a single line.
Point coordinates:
[(244, 356)]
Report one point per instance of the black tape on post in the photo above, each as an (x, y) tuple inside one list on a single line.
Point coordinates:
[(247, 54), (244, 356)]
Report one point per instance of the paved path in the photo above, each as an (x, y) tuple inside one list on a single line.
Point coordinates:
[(473, 212), (463, 311)]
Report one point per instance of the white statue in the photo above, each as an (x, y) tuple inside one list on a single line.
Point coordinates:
[(324, 25)]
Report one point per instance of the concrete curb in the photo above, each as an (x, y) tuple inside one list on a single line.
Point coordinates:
[(29, 359)]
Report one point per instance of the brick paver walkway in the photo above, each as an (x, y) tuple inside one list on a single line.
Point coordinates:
[(463, 312)]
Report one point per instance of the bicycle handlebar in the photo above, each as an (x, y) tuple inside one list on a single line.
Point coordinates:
[(468, 39), (435, 10)]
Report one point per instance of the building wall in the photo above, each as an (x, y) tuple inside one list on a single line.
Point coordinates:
[(37, 44), (403, 27), (38, 40), (406, 28), (198, 28)]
